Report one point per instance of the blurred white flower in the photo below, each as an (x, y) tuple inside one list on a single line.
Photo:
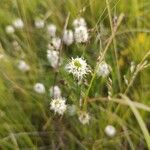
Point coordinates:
[(55, 92), (110, 130), (18, 23), (9, 29), (79, 22), (72, 110), (84, 117), (56, 42), (23, 66), (39, 23), (51, 29), (103, 69), (81, 34), (68, 37), (53, 58), (39, 88), (78, 67), (58, 105)]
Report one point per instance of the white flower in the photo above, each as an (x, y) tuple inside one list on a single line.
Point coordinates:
[(79, 22), (39, 88), (39, 23), (78, 67), (72, 110), (9, 29), (18, 23), (56, 42), (110, 130), (68, 37), (22, 66), (51, 29), (55, 92), (58, 105), (81, 34), (84, 117), (103, 69), (53, 58)]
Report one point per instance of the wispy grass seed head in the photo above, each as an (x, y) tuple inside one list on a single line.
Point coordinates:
[(55, 91), (84, 117), (68, 37), (18, 23)]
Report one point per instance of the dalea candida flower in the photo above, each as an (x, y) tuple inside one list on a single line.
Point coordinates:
[(51, 30), (55, 91), (39, 88), (39, 23), (84, 117), (79, 22), (110, 130), (58, 105), (68, 37), (53, 58), (103, 69), (9, 29), (18, 23), (23, 66), (81, 34), (78, 67)]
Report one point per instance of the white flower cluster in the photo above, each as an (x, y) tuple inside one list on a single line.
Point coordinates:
[(78, 67), (51, 30), (58, 105), (18, 23), (84, 117), (80, 30)]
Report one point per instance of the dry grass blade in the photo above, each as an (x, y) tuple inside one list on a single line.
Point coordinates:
[(139, 119)]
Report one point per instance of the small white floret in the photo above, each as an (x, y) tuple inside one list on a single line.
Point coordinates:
[(78, 67), (51, 29), (58, 105), (53, 58), (81, 34), (103, 69), (39, 23), (23, 66), (84, 117), (110, 130), (68, 37), (39, 88), (55, 92), (9, 29), (18, 23)]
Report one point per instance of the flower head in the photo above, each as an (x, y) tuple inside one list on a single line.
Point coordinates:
[(39, 88), (18, 23), (103, 69), (84, 117), (81, 34), (53, 58), (39, 23), (51, 29), (110, 130), (58, 105), (9, 29), (68, 37), (55, 91), (78, 67), (23, 66), (79, 22)]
